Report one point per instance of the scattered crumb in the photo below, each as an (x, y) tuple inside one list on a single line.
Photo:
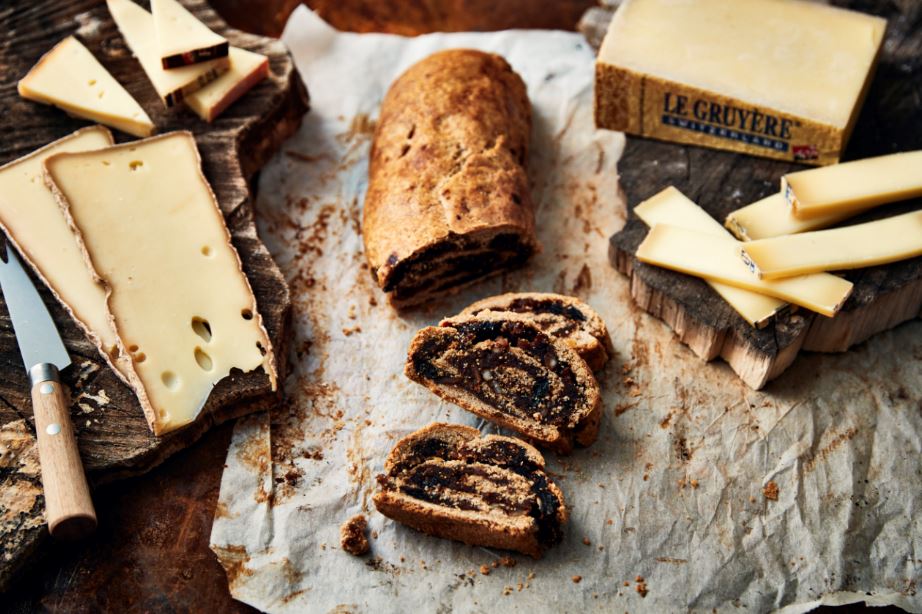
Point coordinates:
[(609, 522), (770, 491), (507, 561), (681, 483), (577, 579), (586, 541), (641, 588), (694, 483), (403, 558), (638, 579), (374, 535), (352, 537), (646, 477), (485, 570), (530, 576), (507, 590), (626, 583), (520, 586)]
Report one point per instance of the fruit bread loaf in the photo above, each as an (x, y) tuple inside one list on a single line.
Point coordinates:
[(448, 201), (564, 317), (505, 369), (449, 481)]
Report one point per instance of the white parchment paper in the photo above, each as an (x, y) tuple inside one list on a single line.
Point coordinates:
[(699, 492)]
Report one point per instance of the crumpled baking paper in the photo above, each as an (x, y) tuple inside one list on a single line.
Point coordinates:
[(699, 493)]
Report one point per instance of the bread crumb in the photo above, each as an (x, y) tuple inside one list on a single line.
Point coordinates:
[(485, 570), (694, 483), (626, 583), (577, 579), (770, 491), (641, 588), (638, 579), (352, 537), (507, 590), (586, 541), (609, 522), (507, 561)]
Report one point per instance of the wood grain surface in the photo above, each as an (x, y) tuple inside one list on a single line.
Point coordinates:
[(883, 297), (113, 436)]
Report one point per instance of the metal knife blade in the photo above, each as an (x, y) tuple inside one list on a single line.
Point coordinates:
[(37, 336)]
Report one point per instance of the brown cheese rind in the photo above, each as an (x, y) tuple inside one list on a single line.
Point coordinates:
[(505, 369), (448, 201), (564, 317), (449, 481)]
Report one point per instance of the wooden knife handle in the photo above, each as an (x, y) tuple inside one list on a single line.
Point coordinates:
[(68, 506)]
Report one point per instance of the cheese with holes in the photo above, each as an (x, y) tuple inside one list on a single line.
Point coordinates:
[(776, 78), (152, 231), (246, 70), (69, 77), (33, 221), (697, 253), (137, 28), (181, 38), (771, 217), (672, 207), (851, 247), (853, 186)]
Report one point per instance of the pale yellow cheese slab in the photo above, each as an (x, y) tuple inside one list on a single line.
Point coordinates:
[(699, 254), (670, 206), (854, 186), (246, 70), (181, 38), (182, 307), (772, 217), (851, 247), (34, 222), (69, 77), (173, 85)]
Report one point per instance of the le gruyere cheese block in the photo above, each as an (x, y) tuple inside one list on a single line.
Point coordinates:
[(772, 217), (782, 79), (851, 247), (699, 254), (151, 230), (181, 38), (69, 77), (246, 70), (854, 186), (34, 222), (672, 207), (137, 27)]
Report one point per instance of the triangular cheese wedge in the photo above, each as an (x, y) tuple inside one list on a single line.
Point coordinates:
[(181, 38), (137, 27), (150, 225), (69, 77), (247, 69), (32, 219)]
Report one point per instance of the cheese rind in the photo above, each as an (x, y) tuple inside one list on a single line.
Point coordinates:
[(33, 221), (151, 229), (776, 78), (851, 247), (181, 38), (853, 186), (69, 77), (670, 206), (698, 254), (772, 217), (246, 70), (137, 27)]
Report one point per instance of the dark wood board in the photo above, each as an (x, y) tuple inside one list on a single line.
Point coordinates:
[(883, 297), (113, 435)]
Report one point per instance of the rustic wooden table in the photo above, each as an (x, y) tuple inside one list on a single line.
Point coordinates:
[(151, 551)]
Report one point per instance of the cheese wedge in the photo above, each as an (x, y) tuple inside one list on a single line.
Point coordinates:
[(181, 38), (771, 217), (854, 186), (699, 254), (851, 247), (246, 70), (672, 207), (151, 229), (69, 77), (33, 221), (137, 27)]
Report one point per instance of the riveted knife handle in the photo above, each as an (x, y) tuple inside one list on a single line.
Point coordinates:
[(68, 507)]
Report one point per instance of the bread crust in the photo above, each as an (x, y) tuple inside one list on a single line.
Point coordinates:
[(583, 426), (589, 335), (519, 533), (448, 201)]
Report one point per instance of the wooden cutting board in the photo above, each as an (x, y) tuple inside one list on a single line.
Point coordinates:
[(883, 297), (113, 435)]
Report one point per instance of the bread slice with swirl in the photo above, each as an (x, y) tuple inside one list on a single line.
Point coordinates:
[(564, 317), (449, 481), (505, 369)]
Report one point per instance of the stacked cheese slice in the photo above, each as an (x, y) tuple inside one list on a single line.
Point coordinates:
[(130, 238), (781, 252)]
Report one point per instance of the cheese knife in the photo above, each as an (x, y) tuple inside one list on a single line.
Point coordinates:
[(68, 506)]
